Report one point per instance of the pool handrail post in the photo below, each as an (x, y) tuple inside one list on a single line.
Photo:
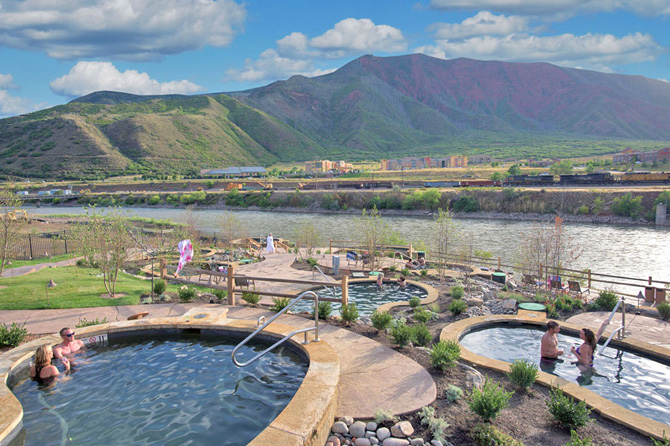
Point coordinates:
[(231, 285), (345, 290), (622, 333)]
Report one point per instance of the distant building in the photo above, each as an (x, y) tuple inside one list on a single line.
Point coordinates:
[(320, 166), (412, 163), (629, 155), (22, 192), (480, 159), (236, 172)]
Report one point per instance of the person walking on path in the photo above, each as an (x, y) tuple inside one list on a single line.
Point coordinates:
[(271, 244)]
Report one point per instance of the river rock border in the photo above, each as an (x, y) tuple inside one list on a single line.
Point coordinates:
[(604, 407), (347, 431), (305, 421)]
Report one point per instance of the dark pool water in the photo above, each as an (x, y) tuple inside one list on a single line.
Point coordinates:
[(367, 296), (632, 381), (168, 392)]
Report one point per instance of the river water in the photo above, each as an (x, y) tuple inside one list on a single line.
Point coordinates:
[(631, 251)]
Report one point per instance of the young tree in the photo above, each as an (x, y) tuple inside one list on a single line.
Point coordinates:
[(563, 167), (514, 169), (10, 223), (105, 242), (308, 237), (232, 229), (374, 233), (448, 239)]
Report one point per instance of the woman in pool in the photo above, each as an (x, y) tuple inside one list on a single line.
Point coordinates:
[(402, 282), (380, 279), (42, 371), (584, 353)]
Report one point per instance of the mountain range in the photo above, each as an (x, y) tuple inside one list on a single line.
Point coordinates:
[(371, 108)]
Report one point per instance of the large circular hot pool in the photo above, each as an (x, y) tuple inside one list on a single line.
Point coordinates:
[(178, 390)]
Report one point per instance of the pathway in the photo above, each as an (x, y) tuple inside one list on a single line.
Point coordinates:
[(27, 269)]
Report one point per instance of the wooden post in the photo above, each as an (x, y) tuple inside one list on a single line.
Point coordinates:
[(231, 285), (163, 268), (65, 238), (649, 280), (345, 290), (30, 242), (411, 251), (589, 272), (499, 262), (330, 245)]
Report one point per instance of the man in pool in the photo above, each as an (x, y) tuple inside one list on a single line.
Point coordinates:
[(69, 346), (549, 350)]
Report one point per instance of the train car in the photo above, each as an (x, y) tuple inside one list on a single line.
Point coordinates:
[(479, 183), (441, 184), (590, 178), (645, 178), (529, 180)]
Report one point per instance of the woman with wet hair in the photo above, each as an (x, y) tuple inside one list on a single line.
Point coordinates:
[(42, 371), (584, 353)]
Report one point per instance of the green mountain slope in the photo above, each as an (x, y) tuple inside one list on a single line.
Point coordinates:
[(166, 135)]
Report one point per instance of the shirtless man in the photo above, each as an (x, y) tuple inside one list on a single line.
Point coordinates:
[(69, 345), (549, 345)]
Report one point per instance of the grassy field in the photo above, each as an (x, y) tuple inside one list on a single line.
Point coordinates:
[(80, 288), (18, 263)]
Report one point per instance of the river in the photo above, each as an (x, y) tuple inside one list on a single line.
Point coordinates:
[(630, 251)]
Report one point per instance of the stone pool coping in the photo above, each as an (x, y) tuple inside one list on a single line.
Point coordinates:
[(604, 407), (305, 421)]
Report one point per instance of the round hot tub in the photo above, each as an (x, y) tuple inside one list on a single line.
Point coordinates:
[(177, 388)]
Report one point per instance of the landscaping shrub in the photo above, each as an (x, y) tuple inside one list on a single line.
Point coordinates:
[(159, 286), (523, 373), (421, 315), (384, 415), (466, 204), (551, 309), (445, 354), (279, 303), (487, 435), (349, 313), (381, 320), (424, 272), (187, 294), (221, 294), (393, 268), (404, 272), (14, 335), (453, 394), (401, 334), (414, 301), (457, 306), (606, 301), (627, 206), (490, 400), (457, 292), (664, 310), (83, 322), (325, 309), (251, 298), (312, 262), (566, 411), (664, 442), (421, 335), (576, 441), (437, 426)]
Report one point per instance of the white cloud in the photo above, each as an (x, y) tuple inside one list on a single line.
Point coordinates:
[(87, 77), (296, 53), (6, 81), (593, 51), (556, 7), (359, 35), (126, 29), (483, 23)]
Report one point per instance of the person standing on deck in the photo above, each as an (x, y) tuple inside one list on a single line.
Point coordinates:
[(271, 244)]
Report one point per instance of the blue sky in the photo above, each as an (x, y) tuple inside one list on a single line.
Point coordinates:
[(52, 51)]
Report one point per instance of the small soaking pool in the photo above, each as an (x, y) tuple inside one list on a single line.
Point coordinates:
[(178, 390), (635, 382), (367, 296)]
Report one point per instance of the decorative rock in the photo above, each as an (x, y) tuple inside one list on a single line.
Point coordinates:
[(402, 429), (374, 440), (509, 304), (436, 443), (347, 420), (417, 442), (370, 434), (363, 442), (357, 429), (475, 302), (383, 433), (371, 426), (333, 441), (340, 427), (395, 442)]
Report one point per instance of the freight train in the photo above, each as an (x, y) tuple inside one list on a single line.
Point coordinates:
[(604, 178)]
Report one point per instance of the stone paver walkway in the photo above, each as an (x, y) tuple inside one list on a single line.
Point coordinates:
[(27, 269), (642, 328)]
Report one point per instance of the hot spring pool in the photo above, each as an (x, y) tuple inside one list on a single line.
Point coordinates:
[(367, 296), (630, 380), (179, 390)]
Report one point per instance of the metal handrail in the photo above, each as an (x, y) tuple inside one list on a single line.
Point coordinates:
[(601, 350), (316, 267), (288, 336)]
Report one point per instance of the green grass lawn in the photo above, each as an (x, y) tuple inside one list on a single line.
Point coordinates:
[(72, 291), (17, 263)]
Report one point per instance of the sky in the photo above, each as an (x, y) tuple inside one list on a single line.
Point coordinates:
[(52, 51)]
